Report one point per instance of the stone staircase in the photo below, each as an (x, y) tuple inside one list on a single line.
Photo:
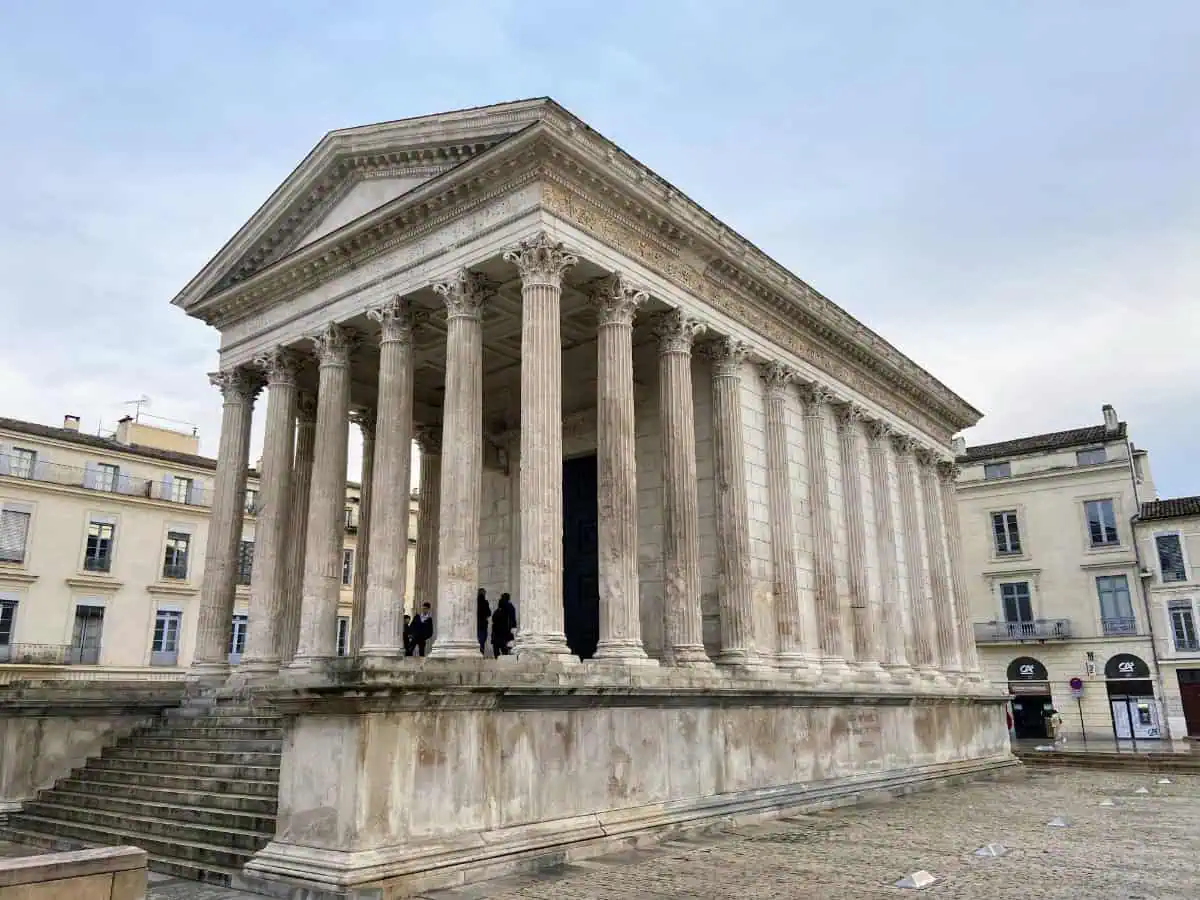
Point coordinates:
[(197, 792)]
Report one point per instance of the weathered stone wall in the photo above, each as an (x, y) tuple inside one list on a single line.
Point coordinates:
[(103, 873)]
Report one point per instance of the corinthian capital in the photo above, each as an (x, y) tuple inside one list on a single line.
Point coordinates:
[(904, 444), (616, 301), (879, 431), (364, 418), (540, 260), (239, 384), (676, 330), (281, 365), (927, 458), (396, 320), (727, 355), (429, 438), (948, 471), (333, 344), (776, 377), (813, 395), (465, 294), (848, 415)]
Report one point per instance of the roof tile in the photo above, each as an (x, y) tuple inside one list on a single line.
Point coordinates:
[(1173, 508), (1041, 443)]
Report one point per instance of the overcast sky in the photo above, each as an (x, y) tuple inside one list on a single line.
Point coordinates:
[(1007, 191)]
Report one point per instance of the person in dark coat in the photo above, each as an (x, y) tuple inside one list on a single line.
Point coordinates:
[(410, 644), (422, 628), (483, 615), (504, 626)]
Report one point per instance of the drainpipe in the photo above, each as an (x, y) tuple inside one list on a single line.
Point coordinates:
[(1137, 556)]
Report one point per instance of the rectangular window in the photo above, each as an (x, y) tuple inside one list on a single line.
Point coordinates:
[(14, 533), (1170, 557), (98, 555), (1183, 625), (1018, 609), (1116, 608), (86, 635), (349, 518), (1008, 536), (164, 648), (251, 502), (245, 561), (343, 635), (237, 639), (8, 618), (997, 470), (1091, 457), (175, 564), (108, 477), (21, 463), (1102, 523), (347, 567), (181, 490)]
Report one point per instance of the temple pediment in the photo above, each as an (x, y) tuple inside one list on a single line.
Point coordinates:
[(349, 174)]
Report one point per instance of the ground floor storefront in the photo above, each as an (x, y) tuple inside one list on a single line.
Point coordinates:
[(1181, 697)]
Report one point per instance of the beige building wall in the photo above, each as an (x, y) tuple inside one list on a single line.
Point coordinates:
[(152, 492), (1047, 486)]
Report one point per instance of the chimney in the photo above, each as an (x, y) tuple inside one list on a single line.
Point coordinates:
[(1110, 419), (959, 445), (71, 423)]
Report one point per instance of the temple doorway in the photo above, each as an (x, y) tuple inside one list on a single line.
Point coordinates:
[(581, 556)]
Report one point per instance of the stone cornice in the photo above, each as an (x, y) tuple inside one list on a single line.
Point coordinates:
[(678, 239)]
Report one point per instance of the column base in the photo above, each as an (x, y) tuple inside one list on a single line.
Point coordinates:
[(835, 670), (209, 674), (689, 656), (798, 666), (309, 663), (622, 650), (743, 659), (541, 646), (451, 648), (899, 673), (253, 673), (870, 672)]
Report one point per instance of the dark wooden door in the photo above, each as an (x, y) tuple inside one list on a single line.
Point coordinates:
[(1189, 693), (581, 562)]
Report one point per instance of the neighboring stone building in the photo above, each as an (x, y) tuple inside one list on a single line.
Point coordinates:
[(102, 546), (1168, 536), (1054, 578)]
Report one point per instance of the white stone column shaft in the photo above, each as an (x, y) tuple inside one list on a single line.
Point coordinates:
[(735, 588), (462, 466), (238, 387), (268, 578), (921, 616), (301, 488), (895, 659), (683, 643), (939, 565), (387, 577), (968, 653), (830, 629), (327, 501), (365, 420), (864, 602), (789, 613), (616, 467), (425, 574), (542, 263)]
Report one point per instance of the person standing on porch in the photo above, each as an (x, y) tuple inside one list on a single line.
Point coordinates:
[(504, 626), (483, 615), (422, 628)]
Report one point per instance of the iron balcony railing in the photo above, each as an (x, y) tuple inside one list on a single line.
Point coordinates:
[(175, 570), (171, 491), (1121, 625), (36, 654), (1035, 630), (1187, 646)]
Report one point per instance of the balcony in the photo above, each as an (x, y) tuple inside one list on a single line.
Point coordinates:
[(1010, 632), (1118, 626), (126, 485), (176, 571), (36, 654)]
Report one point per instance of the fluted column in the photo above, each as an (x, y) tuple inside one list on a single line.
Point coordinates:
[(387, 577), (616, 304), (462, 466), (268, 578), (327, 501), (895, 659), (238, 388), (735, 594), (792, 653), (948, 472), (921, 618), (297, 530), (864, 601), (684, 634), (425, 575), (365, 420), (542, 263), (830, 630), (939, 565)]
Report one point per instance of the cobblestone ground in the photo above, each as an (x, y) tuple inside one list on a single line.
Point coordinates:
[(1145, 847)]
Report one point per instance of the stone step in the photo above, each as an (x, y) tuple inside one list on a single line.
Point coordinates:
[(211, 794), (235, 732), (146, 826), (216, 745), (266, 789), (192, 871), (216, 855), (185, 813), (190, 757), (200, 770), (227, 717)]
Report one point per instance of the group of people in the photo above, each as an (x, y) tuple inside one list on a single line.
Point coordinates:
[(499, 624)]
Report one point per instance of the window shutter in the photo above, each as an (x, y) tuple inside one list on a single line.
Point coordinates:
[(4, 459), (90, 475), (166, 488), (14, 528)]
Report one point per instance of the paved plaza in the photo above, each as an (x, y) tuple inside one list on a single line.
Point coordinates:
[(1144, 847)]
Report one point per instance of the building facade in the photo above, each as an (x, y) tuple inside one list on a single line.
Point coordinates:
[(1055, 582), (102, 549), (1168, 536)]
